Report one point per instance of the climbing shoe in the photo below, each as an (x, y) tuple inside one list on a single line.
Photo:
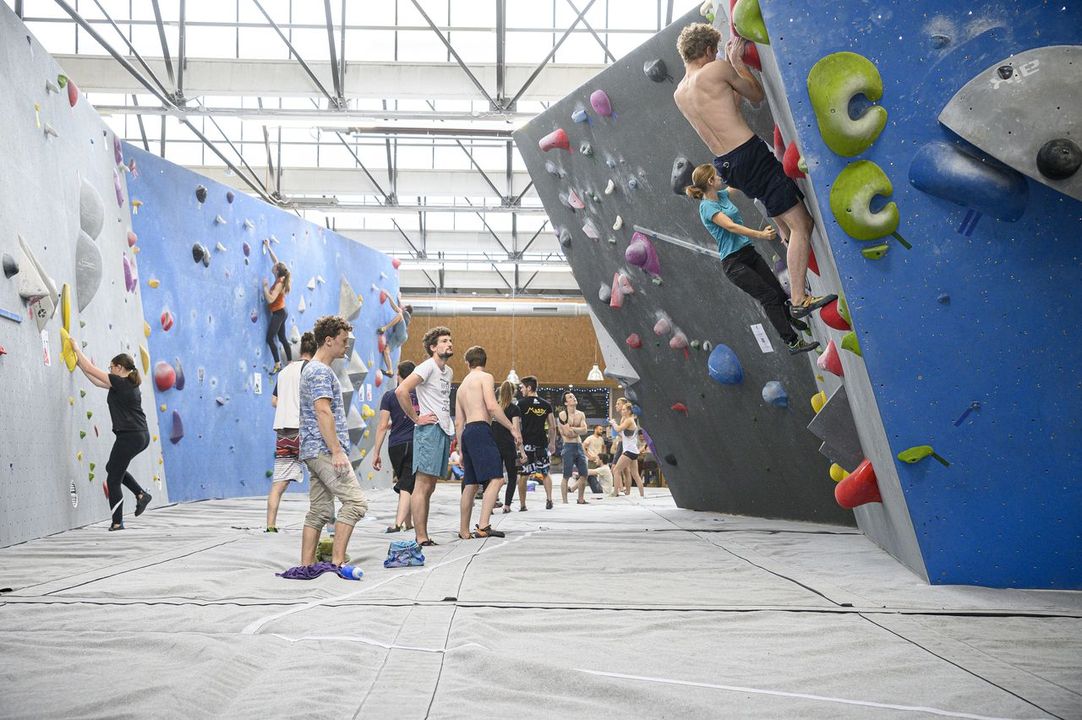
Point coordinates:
[(811, 303), (548, 504), (798, 324), (276, 369), (801, 346), (116, 527), (271, 530), (141, 503)]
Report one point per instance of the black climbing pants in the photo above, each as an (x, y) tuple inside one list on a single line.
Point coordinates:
[(126, 446), (277, 327), (749, 272), (509, 456)]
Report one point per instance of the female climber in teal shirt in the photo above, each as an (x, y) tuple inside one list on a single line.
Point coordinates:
[(741, 262)]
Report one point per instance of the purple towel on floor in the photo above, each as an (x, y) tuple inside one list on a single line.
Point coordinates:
[(308, 572)]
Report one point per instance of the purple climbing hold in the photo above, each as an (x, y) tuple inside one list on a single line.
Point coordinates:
[(129, 276), (177, 432), (247, 249), (642, 254), (179, 384), (118, 152), (201, 194), (118, 188), (601, 104), (254, 317), (229, 197)]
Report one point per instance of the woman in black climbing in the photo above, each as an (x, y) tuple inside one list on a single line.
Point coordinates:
[(740, 261), (129, 426), (627, 465), (276, 303)]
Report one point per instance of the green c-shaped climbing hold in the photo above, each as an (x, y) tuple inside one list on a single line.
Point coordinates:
[(875, 252), (843, 310), (918, 452), (832, 83), (851, 197), (850, 343), (748, 21)]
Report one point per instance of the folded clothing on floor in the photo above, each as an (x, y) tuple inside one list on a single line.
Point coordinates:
[(308, 572)]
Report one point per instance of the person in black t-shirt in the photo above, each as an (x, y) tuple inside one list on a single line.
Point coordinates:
[(509, 454), (536, 414), (129, 426)]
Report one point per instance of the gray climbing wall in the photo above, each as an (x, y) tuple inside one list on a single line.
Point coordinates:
[(734, 452), (58, 156)]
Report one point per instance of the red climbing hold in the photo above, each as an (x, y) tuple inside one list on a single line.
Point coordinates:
[(830, 360), (379, 379), (634, 341), (382, 299), (616, 298), (73, 96), (167, 320), (779, 144), (555, 139), (830, 315), (680, 407), (790, 161), (164, 375), (813, 264), (381, 343), (858, 488), (395, 263), (3, 351), (750, 56)]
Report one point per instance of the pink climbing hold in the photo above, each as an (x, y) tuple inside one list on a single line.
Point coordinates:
[(601, 104), (575, 201), (616, 298), (662, 326), (132, 239), (790, 162), (679, 407), (177, 432), (129, 276), (679, 341), (555, 139), (73, 93), (396, 263), (379, 378), (641, 253), (634, 341), (625, 283), (119, 190), (167, 320), (164, 376), (829, 314), (831, 361), (859, 487)]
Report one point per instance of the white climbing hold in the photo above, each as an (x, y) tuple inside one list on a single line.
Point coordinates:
[(248, 224), (610, 187), (49, 130), (219, 247), (611, 239), (219, 220), (301, 307), (50, 86), (311, 284), (618, 224)]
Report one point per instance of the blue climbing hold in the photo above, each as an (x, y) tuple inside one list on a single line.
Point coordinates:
[(723, 366), (774, 393)]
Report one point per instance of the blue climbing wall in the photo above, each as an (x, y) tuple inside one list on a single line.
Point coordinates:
[(220, 319), (981, 313)]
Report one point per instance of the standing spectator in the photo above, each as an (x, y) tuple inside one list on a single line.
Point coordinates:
[(572, 426), (324, 441), (434, 429), (510, 453), (286, 400), (400, 447), (537, 429)]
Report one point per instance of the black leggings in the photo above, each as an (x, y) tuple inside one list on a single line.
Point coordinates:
[(126, 446), (749, 272), (277, 327), (510, 465)]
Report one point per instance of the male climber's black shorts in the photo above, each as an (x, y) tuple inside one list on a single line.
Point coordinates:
[(753, 170)]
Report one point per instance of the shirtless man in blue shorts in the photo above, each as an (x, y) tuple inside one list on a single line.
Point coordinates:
[(709, 96)]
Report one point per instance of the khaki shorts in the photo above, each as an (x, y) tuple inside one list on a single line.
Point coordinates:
[(326, 485)]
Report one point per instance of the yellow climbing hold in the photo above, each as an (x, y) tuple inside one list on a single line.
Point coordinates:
[(153, 282), (363, 453), (162, 407), (144, 357), (371, 475), (146, 329), (67, 351), (837, 472), (65, 307), (818, 400), (366, 434), (367, 412), (71, 401), (155, 438), (79, 456)]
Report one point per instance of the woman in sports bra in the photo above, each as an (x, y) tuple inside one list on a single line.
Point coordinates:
[(627, 465)]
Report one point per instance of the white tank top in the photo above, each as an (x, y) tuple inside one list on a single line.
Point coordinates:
[(631, 444)]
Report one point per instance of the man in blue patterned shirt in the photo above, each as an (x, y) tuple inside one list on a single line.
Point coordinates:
[(324, 442)]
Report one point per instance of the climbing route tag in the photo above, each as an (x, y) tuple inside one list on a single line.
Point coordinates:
[(760, 336), (46, 358), (257, 383)]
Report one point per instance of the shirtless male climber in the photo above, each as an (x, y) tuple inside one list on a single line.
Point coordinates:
[(709, 96), (475, 409)]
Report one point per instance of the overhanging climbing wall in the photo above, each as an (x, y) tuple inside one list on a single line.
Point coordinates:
[(968, 339), (64, 193), (202, 266), (733, 451)]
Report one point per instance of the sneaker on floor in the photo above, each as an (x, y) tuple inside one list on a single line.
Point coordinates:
[(522, 509), (548, 504), (395, 528), (801, 346), (116, 527), (142, 502), (811, 303)]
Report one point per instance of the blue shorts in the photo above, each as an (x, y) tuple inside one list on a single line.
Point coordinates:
[(431, 450), (480, 456)]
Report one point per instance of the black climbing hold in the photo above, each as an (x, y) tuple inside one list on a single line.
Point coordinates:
[(206, 256), (1005, 71), (10, 266), (631, 395), (656, 70), (565, 237), (1059, 159), (201, 194), (197, 252), (944, 299), (670, 459), (681, 174), (229, 197)]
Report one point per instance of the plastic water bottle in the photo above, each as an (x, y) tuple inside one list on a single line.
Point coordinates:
[(350, 572)]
